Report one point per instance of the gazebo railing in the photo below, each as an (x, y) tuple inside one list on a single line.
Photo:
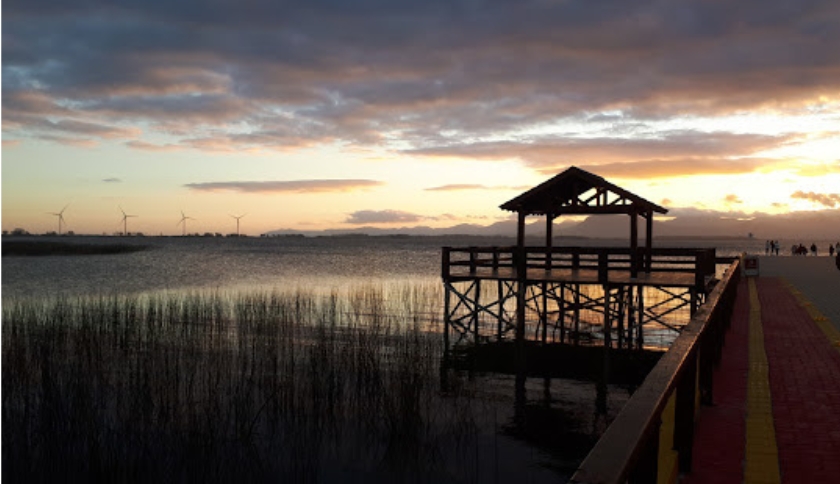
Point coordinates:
[(514, 261)]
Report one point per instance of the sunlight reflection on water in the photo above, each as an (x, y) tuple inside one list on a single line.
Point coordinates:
[(319, 263)]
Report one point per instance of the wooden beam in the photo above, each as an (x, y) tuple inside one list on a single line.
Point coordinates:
[(549, 226), (634, 244), (520, 230), (649, 241), (593, 210)]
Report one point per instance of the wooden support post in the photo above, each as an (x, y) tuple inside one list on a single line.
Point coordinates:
[(549, 240), (444, 265), (685, 413), (520, 230), (630, 316), (607, 317), (640, 320), (603, 266), (521, 294), (501, 298), (634, 244), (562, 312), (544, 317), (476, 310), (601, 401), (446, 317), (699, 273), (520, 325), (649, 242), (549, 229), (576, 314), (620, 318)]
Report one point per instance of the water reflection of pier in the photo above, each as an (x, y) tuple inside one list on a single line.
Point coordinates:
[(573, 295)]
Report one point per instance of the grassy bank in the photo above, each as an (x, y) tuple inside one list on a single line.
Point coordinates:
[(42, 248)]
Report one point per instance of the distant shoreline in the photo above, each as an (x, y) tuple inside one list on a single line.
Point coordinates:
[(45, 248)]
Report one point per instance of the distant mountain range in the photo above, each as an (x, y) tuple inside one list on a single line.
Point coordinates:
[(685, 222)]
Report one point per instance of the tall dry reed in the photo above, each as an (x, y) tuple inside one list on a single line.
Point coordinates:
[(209, 386)]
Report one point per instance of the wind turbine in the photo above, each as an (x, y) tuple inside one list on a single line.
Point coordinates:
[(125, 220), (237, 222), (183, 221), (60, 216)]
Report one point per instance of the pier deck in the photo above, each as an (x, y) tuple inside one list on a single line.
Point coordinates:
[(560, 294)]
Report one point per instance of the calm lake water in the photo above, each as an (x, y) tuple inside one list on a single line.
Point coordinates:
[(313, 263), (539, 435)]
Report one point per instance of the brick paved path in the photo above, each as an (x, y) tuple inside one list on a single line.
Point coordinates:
[(804, 378), (805, 387)]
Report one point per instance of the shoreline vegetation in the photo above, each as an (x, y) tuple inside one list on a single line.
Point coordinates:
[(262, 386), (45, 248)]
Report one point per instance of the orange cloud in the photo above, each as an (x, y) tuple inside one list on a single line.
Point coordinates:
[(143, 145), (468, 186), (830, 200)]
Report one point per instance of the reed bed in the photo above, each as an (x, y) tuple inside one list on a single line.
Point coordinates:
[(217, 387)]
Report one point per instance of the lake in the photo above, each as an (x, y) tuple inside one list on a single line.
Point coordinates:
[(200, 357), (316, 263)]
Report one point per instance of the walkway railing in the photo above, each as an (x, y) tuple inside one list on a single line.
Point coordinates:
[(652, 436)]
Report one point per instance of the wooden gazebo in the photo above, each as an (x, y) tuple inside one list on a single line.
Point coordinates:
[(562, 291), (578, 192)]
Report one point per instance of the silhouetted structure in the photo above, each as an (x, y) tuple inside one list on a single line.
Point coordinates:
[(556, 291)]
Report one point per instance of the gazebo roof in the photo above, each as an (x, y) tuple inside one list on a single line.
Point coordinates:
[(579, 192)]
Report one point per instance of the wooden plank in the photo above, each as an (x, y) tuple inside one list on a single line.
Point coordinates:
[(581, 276)]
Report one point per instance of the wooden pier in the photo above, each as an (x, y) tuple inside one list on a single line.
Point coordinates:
[(574, 295), (570, 293)]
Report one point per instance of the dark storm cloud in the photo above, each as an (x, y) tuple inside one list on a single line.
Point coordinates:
[(293, 186), (295, 73)]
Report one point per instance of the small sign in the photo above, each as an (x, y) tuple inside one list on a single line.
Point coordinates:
[(751, 265)]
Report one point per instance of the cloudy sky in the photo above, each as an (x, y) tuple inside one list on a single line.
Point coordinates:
[(341, 113)]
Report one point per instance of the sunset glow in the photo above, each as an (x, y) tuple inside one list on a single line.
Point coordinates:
[(343, 115)]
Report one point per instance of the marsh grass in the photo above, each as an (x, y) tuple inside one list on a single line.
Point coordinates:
[(216, 387)]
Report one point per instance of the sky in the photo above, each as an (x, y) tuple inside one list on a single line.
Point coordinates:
[(324, 114)]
